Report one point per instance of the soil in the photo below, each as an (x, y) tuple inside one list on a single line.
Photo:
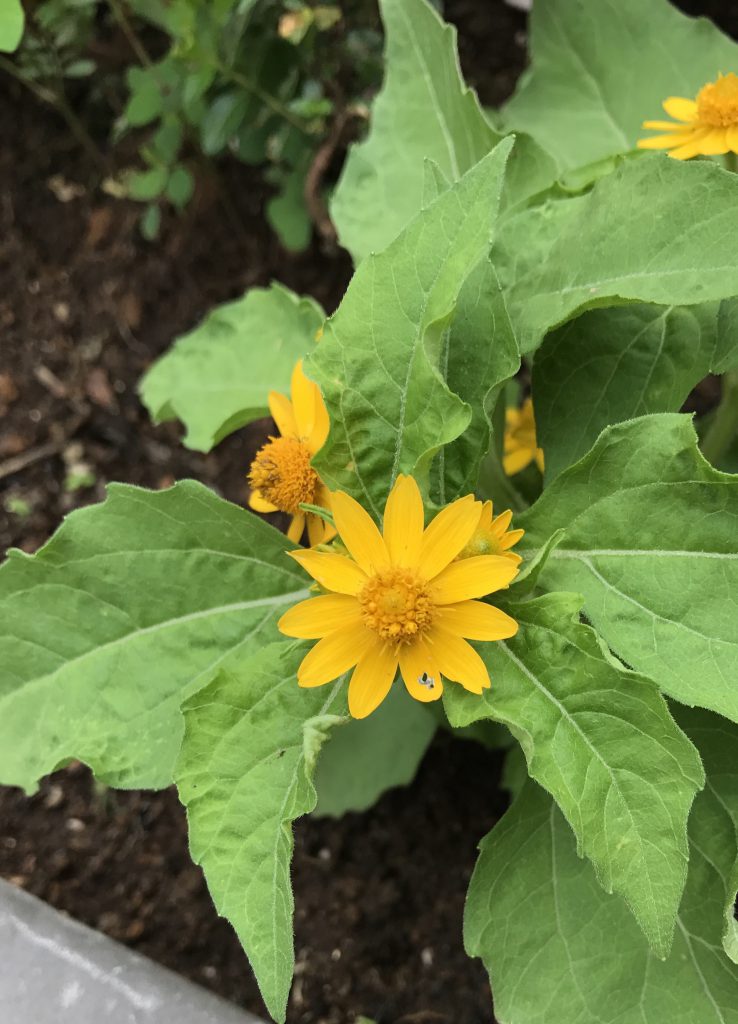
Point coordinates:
[(85, 306)]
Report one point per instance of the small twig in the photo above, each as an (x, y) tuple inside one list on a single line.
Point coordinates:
[(42, 451), (314, 178), (119, 13)]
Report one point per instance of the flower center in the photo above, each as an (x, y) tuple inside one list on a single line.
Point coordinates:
[(282, 473), (717, 102), (396, 604), (483, 542)]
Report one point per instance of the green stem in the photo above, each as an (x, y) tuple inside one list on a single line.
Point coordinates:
[(731, 162), (724, 427), (128, 31), (266, 98)]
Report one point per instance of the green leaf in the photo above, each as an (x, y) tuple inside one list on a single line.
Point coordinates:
[(251, 740), (600, 739), (645, 233), (478, 354), (368, 756), (217, 377), (601, 67), (423, 110), (287, 213), (180, 186), (378, 362), (146, 102), (611, 365), (651, 544), (222, 121), (146, 185), (129, 608), (151, 222), (559, 950), (12, 21)]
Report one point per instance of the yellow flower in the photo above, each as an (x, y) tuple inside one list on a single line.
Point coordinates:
[(492, 536), (705, 126), (400, 599), (521, 447), (281, 476)]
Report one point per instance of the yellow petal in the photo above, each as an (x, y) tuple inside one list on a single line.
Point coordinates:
[(515, 461), (714, 143), (259, 504), (321, 426), (540, 461), (663, 141), (282, 413), (372, 679), (417, 662), (732, 138), (296, 527), (458, 660), (473, 577), (487, 515), (359, 533), (502, 521), (303, 393), (680, 108), (334, 572), (666, 126), (319, 616), (476, 620), (690, 148), (403, 522), (447, 534), (511, 538), (334, 655), (316, 530)]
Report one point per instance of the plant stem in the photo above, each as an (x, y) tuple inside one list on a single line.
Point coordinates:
[(60, 104), (724, 427), (731, 162), (128, 31), (266, 98)]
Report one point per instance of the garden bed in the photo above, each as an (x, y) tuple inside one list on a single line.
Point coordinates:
[(85, 307)]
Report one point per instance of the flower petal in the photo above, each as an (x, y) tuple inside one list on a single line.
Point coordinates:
[(680, 108), (511, 539), (334, 572), (321, 425), (372, 679), (473, 577), (691, 148), (540, 461), (319, 616), (334, 655), (403, 522), (663, 141), (283, 414), (259, 504), (417, 662), (303, 393), (714, 143), (316, 529), (458, 660), (666, 126), (296, 528), (447, 534), (502, 521), (515, 461), (476, 620), (359, 533)]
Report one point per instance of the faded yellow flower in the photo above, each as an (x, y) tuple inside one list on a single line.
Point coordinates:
[(400, 598), (492, 536), (704, 126), (281, 476), (521, 447)]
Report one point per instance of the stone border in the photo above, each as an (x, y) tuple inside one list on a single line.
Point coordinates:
[(54, 970)]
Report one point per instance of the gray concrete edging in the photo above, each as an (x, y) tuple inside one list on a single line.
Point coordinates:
[(54, 970)]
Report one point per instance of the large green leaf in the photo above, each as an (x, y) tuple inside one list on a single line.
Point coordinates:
[(561, 951), (645, 233), (217, 377), (368, 756), (130, 607), (652, 543), (424, 110), (478, 355), (378, 361), (600, 739), (251, 740), (610, 365), (12, 21), (601, 67)]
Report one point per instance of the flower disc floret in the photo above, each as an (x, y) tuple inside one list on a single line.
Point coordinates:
[(282, 474), (396, 604), (717, 102)]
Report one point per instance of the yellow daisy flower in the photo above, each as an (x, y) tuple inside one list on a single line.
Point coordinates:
[(281, 476), (400, 598), (492, 536), (520, 448), (704, 126)]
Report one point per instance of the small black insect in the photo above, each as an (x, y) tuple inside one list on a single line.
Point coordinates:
[(426, 680)]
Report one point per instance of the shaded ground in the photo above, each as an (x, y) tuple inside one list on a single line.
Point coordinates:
[(85, 306)]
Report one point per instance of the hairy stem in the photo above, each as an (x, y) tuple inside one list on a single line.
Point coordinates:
[(724, 427)]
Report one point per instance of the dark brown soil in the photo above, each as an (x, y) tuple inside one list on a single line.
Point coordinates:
[(85, 306)]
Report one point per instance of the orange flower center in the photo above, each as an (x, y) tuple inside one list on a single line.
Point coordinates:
[(396, 604), (483, 542), (717, 102), (282, 474)]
